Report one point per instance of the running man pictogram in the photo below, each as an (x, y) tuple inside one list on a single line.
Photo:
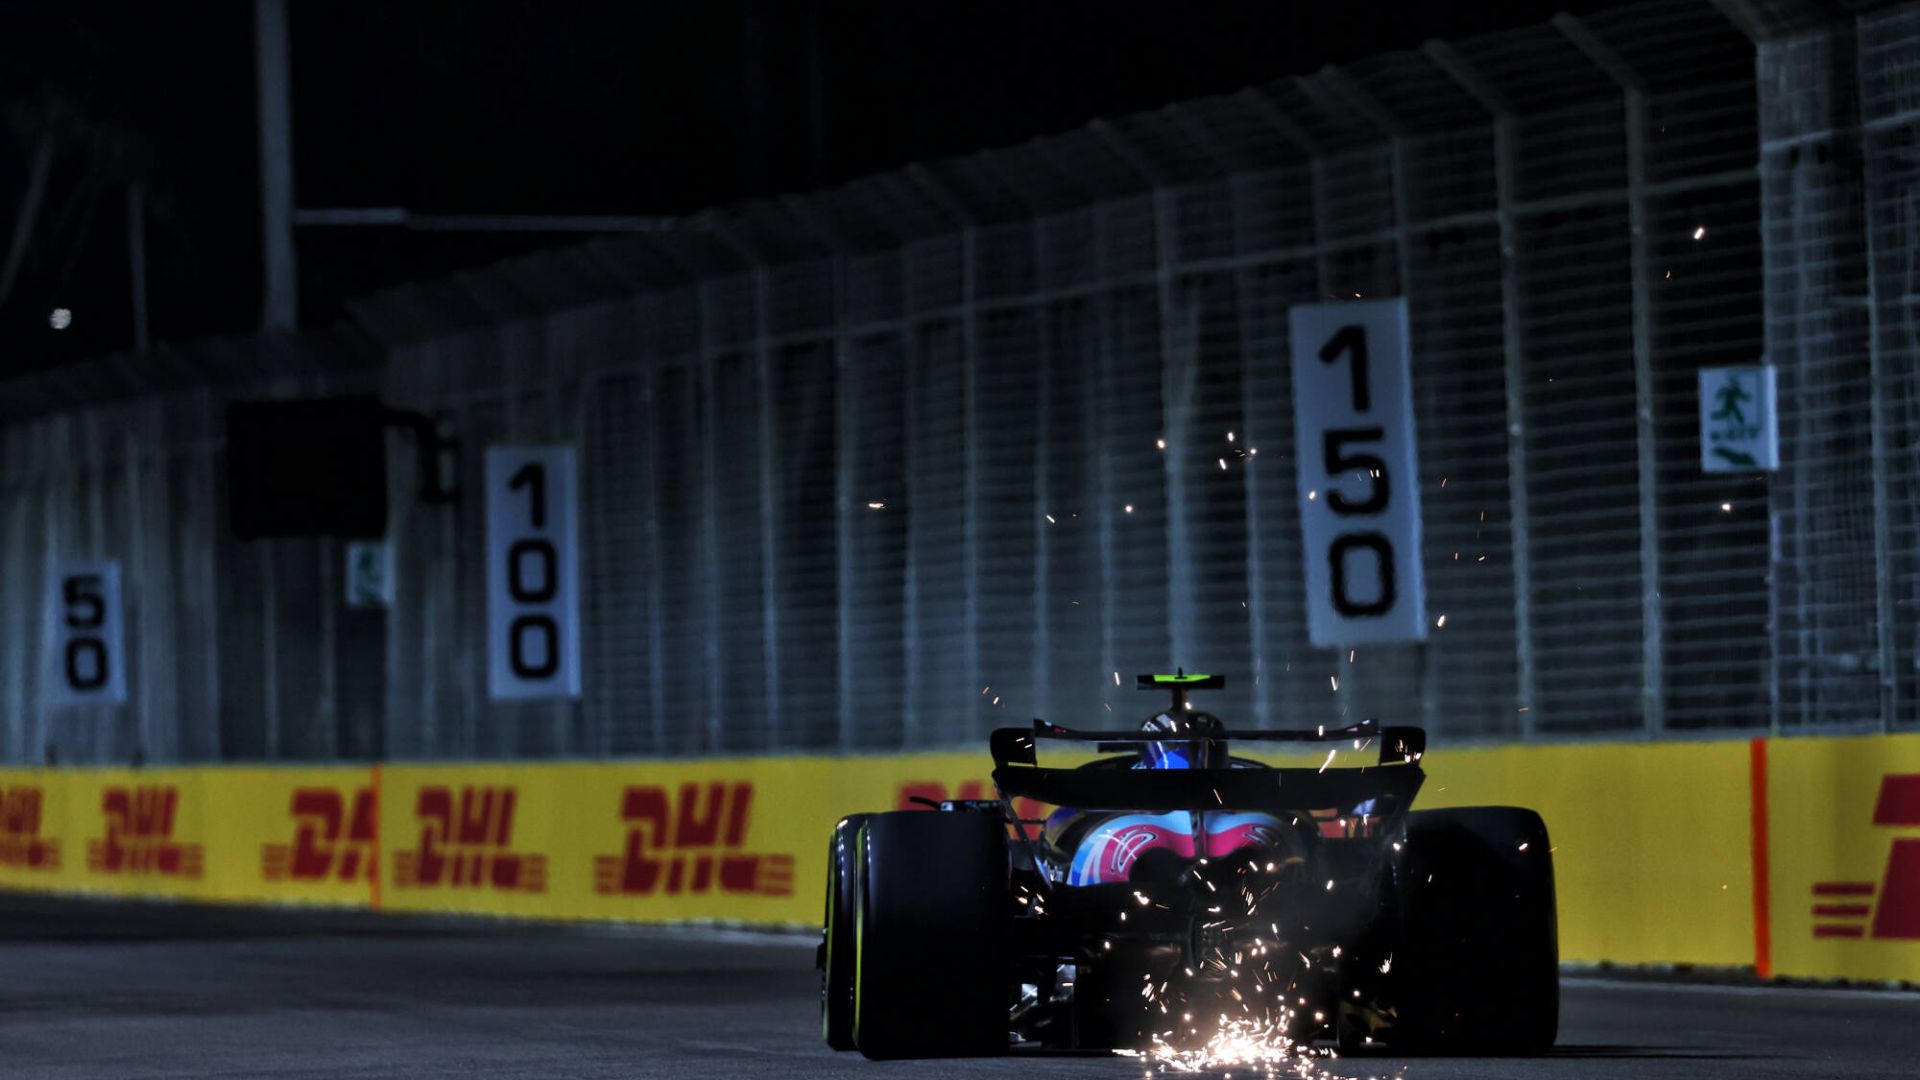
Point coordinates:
[(1729, 396)]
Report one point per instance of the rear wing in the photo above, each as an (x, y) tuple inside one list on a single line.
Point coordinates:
[(1020, 746), (1392, 779)]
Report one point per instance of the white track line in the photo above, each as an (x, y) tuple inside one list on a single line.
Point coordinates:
[(719, 935), (1586, 983), (808, 938)]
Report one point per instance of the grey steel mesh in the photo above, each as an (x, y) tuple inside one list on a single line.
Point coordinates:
[(878, 467)]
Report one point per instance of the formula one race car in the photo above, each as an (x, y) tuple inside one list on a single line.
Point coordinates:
[(1178, 895)]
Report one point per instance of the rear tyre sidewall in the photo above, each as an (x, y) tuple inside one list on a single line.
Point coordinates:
[(932, 970), (836, 973), (1478, 967)]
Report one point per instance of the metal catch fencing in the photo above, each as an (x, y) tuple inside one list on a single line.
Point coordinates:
[(890, 465)]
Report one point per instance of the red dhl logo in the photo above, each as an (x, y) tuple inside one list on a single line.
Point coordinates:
[(1842, 909), (328, 842), (464, 837), (21, 844), (689, 842), (139, 838)]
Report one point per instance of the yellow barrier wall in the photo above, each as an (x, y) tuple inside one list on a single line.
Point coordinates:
[(1656, 844), (1652, 857)]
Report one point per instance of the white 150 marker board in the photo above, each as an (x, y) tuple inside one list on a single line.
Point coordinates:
[(1358, 468)]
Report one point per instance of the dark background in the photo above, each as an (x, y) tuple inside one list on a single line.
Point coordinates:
[(490, 106)]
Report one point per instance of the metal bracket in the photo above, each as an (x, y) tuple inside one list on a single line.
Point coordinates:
[(438, 450)]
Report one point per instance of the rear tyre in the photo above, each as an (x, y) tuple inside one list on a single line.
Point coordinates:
[(931, 965), (1478, 969), (836, 947)]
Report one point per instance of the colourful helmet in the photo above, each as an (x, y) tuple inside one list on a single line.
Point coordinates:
[(1196, 744)]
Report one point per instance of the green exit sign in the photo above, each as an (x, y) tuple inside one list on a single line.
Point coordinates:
[(1739, 424)]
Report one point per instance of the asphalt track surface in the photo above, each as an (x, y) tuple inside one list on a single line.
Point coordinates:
[(135, 990)]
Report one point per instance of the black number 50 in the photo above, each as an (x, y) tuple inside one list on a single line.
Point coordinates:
[(85, 661)]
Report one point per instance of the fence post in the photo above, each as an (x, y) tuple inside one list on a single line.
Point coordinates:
[(1245, 298), (270, 648), (769, 507), (1512, 293), (1179, 374), (846, 449), (768, 484), (1879, 449), (1100, 390), (1179, 378), (1634, 100), (845, 457), (938, 194), (1336, 92), (910, 568), (1042, 687), (1320, 181), (709, 512), (970, 438), (143, 701)]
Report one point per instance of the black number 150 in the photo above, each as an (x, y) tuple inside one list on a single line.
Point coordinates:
[(1344, 451)]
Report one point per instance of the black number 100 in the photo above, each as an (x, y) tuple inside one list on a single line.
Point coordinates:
[(533, 640)]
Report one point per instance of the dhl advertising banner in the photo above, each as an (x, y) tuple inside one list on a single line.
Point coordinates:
[(709, 840), (736, 840), (727, 839), (1794, 857), (1842, 818), (243, 835)]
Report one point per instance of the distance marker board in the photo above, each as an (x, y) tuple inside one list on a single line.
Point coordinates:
[(533, 574), (1358, 471), (86, 650)]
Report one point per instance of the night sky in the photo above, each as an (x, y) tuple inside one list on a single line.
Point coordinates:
[(487, 106)]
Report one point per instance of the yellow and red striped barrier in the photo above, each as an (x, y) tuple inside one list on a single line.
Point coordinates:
[(1794, 857)]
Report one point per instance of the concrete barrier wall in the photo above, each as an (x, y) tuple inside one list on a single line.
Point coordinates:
[(1795, 857)]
